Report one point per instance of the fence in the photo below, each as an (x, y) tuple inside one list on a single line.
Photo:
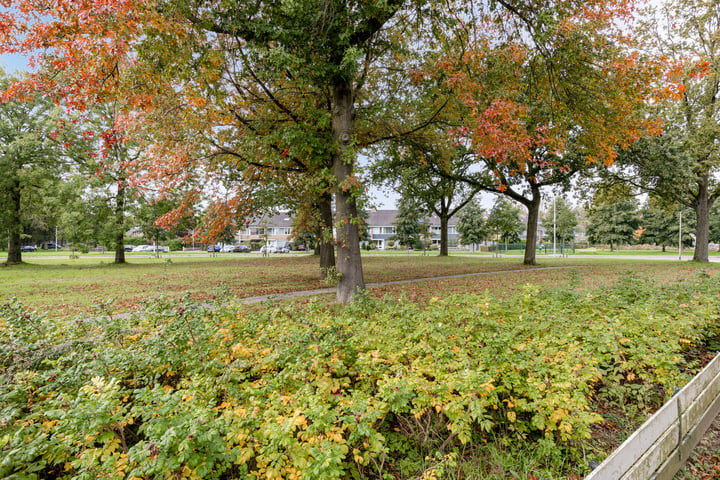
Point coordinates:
[(662, 445)]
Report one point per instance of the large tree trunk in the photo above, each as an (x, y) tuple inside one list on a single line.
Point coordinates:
[(533, 208), (349, 263), (443, 235), (15, 226), (702, 214), (325, 247), (120, 225)]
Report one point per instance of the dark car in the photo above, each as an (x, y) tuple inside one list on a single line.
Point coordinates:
[(129, 248), (241, 249), (214, 248), (28, 248), (51, 246)]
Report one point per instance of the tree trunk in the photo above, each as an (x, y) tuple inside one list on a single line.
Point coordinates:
[(120, 225), (533, 208), (702, 214), (15, 225), (444, 236), (325, 248), (349, 263)]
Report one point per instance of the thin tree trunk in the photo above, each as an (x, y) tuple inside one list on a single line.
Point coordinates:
[(15, 225), (702, 214), (533, 208), (325, 248), (349, 263), (120, 224), (444, 236)]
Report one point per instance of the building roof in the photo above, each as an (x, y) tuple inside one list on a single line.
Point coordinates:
[(381, 218), (280, 220), (386, 218)]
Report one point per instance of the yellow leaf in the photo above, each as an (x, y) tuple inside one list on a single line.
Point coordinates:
[(511, 416)]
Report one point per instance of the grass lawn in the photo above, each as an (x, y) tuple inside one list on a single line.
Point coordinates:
[(67, 287)]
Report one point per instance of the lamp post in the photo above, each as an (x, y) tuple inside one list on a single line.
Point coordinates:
[(680, 238), (554, 227)]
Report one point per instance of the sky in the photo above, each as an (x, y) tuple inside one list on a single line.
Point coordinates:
[(13, 63)]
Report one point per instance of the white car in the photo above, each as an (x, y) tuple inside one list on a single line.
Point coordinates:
[(268, 249), (228, 249), (142, 248)]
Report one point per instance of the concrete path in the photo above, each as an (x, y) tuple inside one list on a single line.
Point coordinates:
[(321, 291)]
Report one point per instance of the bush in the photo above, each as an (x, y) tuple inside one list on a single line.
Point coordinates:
[(379, 388), (175, 245)]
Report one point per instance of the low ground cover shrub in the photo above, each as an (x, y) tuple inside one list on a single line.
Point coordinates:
[(380, 389)]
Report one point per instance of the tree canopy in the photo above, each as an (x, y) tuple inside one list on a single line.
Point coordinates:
[(252, 104)]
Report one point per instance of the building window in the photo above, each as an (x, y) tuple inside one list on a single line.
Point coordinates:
[(390, 230)]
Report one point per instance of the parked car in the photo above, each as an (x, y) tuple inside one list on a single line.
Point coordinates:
[(268, 249), (129, 248), (51, 246), (144, 248), (28, 248), (213, 248), (241, 249), (228, 249), (301, 248)]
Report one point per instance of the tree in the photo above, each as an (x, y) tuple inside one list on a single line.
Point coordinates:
[(536, 108), (409, 223), (613, 223), (660, 225), (30, 160), (410, 164), (337, 58), (324, 47), (504, 220), (563, 218), (471, 225), (683, 164)]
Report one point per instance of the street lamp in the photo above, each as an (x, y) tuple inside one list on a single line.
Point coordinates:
[(554, 227), (680, 238)]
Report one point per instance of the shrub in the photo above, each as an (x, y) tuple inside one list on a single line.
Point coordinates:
[(175, 244), (380, 388)]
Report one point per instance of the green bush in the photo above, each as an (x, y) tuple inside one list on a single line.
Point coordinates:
[(381, 389), (175, 245)]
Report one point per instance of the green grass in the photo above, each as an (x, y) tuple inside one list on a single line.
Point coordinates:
[(64, 286), (67, 287)]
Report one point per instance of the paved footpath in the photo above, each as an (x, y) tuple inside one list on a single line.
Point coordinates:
[(320, 291)]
